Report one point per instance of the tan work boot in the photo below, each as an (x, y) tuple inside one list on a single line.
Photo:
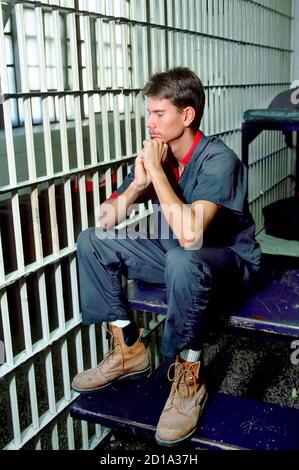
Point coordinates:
[(120, 362), (184, 405)]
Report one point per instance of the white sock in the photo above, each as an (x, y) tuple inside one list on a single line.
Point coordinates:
[(190, 355), (120, 323)]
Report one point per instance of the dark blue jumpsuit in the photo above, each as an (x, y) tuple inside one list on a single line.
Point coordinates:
[(225, 263)]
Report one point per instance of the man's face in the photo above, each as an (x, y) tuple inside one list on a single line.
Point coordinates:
[(165, 122)]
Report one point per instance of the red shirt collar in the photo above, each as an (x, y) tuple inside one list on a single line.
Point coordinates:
[(196, 141)]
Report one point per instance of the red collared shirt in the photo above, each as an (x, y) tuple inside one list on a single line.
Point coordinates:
[(188, 156)]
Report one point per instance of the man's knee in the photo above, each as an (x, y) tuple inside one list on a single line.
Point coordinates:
[(186, 264), (179, 259), (101, 243), (84, 241)]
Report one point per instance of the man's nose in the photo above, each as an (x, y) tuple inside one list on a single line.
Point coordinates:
[(150, 123)]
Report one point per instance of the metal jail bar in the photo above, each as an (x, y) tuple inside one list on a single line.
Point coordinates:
[(83, 121)]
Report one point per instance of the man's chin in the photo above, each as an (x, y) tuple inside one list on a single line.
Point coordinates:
[(158, 138)]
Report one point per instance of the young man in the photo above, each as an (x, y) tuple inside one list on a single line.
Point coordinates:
[(200, 186)]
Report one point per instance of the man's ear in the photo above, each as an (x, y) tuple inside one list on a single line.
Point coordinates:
[(189, 115)]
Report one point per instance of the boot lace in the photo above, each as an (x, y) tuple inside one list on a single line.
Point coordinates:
[(113, 353), (182, 379)]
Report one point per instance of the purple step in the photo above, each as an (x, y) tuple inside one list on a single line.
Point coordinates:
[(228, 422), (272, 309)]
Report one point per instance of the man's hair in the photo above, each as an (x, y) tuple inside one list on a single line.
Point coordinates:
[(182, 87)]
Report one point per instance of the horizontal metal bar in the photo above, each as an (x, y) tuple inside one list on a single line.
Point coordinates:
[(224, 133), (123, 20), (269, 155), (39, 346), (37, 266), (52, 7), (87, 169), (266, 191), (265, 7), (55, 93), (62, 404), (120, 91), (45, 420), (64, 175)]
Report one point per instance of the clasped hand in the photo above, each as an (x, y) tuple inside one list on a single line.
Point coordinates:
[(154, 153), (151, 158)]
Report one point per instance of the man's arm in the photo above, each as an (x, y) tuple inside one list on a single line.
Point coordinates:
[(187, 223), (114, 211)]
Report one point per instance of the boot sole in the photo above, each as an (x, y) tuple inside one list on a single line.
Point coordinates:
[(163, 443), (131, 376)]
